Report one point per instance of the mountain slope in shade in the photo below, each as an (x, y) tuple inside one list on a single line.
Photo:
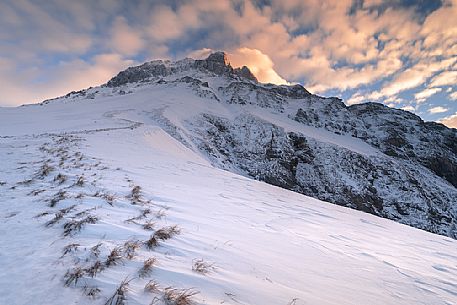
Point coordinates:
[(86, 182)]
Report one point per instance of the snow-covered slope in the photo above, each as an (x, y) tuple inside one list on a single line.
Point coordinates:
[(76, 163), (94, 184)]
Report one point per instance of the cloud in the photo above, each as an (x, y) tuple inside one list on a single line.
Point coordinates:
[(125, 39), (356, 98), (437, 109), (450, 121), (200, 54), (426, 93), (408, 108), (453, 96), (379, 49), (66, 77), (446, 78), (414, 76), (259, 64)]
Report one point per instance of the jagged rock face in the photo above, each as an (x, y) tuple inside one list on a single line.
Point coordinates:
[(409, 174), (244, 72), (216, 63), (382, 185), (395, 132)]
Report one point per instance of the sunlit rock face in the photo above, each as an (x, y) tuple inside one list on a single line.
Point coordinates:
[(216, 63), (369, 157)]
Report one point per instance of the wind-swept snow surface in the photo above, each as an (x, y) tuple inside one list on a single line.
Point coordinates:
[(89, 191)]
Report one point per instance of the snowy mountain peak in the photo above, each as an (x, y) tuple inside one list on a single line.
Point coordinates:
[(219, 57), (216, 63)]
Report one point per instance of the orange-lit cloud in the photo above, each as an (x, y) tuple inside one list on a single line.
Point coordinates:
[(371, 50), (259, 64), (450, 121)]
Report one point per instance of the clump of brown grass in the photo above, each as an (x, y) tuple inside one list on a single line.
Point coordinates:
[(92, 292), (160, 214), (36, 192), (149, 225), (92, 271), (143, 214), (173, 296), (41, 214), (202, 267), (25, 182), (60, 178), (45, 170), (59, 196), (72, 276), (167, 232), (130, 248), (109, 198), (95, 250), (85, 212), (152, 242), (69, 249), (114, 257), (80, 181), (120, 295), (152, 287), (59, 215), (74, 226), (136, 194), (162, 234), (147, 267)]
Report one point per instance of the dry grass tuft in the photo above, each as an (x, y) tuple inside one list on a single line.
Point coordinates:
[(92, 292), (149, 225), (73, 276), (35, 192), (45, 170), (60, 178), (74, 226), (69, 249), (92, 271), (173, 296), (167, 232), (130, 248), (57, 217), (152, 287), (202, 267), (147, 267), (143, 214), (136, 194), (85, 212), (114, 257), (59, 196), (25, 182), (162, 234), (80, 181), (120, 295), (41, 214), (95, 250), (109, 198), (152, 242), (160, 214)]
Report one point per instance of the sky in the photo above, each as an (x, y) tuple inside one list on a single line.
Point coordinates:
[(402, 53)]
